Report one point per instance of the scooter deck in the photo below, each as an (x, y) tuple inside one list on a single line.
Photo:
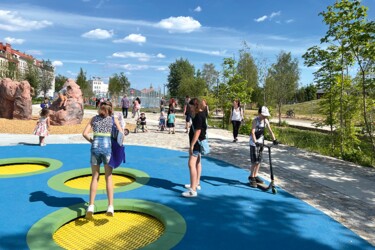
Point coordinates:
[(263, 186)]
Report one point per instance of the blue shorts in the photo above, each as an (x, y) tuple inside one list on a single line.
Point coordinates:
[(101, 150), (196, 153)]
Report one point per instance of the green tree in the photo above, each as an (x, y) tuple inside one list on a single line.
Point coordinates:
[(350, 40), (307, 93), (32, 76), (178, 71), (234, 87), (46, 80), (210, 75), (247, 69), (82, 83), (118, 85), (12, 71), (60, 80), (282, 81)]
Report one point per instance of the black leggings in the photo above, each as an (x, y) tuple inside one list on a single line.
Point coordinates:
[(236, 127)]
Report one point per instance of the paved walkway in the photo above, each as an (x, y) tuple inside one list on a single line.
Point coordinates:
[(340, 189)]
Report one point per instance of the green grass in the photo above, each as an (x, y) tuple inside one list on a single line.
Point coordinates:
[(304, 110)]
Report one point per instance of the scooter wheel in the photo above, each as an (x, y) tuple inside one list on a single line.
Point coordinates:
[(274, 190)]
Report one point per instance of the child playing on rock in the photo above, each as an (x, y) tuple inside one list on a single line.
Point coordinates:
[(171, 121), (42, 126)]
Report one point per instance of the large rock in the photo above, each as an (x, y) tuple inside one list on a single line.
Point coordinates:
[(15, 99), (73, 111)]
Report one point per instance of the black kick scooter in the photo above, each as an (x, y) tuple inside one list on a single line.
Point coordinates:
[(272, 186)]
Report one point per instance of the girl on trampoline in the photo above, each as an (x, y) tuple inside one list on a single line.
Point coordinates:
[(101, 126)]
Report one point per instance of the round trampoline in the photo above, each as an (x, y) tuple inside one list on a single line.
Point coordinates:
[(78, 181), (136, 224), (16, 167)]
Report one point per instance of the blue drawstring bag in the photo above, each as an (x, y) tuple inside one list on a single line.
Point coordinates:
[(118, 151)]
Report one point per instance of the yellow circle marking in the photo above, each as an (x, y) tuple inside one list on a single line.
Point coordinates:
[(125, 230), (20, 168), (83, 182)]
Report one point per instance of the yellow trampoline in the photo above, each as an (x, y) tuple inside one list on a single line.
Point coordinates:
[(126, 230), (21, 168), (17, 167), (83, 182)]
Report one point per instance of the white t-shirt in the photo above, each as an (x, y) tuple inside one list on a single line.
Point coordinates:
[(236, 114), (259, 128)]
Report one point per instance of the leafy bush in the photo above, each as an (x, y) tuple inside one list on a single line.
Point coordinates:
[(321, 143)]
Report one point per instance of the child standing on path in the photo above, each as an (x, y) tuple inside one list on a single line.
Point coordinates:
[(42, 126), (171, 121)]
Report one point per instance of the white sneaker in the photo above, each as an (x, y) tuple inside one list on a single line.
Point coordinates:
[(90, 211), (190, 193), (110, 211), (188, 186)]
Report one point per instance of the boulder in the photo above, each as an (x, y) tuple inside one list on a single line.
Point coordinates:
[(15, 99), (72, 112)]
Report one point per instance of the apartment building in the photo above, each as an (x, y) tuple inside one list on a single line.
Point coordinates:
[(21, 61)]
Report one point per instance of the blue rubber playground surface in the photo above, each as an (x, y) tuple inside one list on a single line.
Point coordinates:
[(227, 214)]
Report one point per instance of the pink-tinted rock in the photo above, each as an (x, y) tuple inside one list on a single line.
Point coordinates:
[(73, 111), (15, 99)]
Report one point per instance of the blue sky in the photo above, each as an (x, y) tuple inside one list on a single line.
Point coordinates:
[(142, 38)]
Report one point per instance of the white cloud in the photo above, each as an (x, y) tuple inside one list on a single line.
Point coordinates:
[(129, 54), (57, 63), (273, 14), (11, 21), (198, 9), (34, 52), (265, 17), (162, 68), (135, 38), (12, 40), (132, 67), (71, 73), (198, 51), (260, 19), (160, 55), (143, 57), (98, 34), (289, 21), (181, 24)]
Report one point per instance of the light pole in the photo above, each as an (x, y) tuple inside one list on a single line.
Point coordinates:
[(164, 88)]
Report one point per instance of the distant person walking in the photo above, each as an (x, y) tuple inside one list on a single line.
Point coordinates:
[(236, 116), (162, 104), (257, 143), (42, 126), (101, 125), (136, 107), (125, 103)]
